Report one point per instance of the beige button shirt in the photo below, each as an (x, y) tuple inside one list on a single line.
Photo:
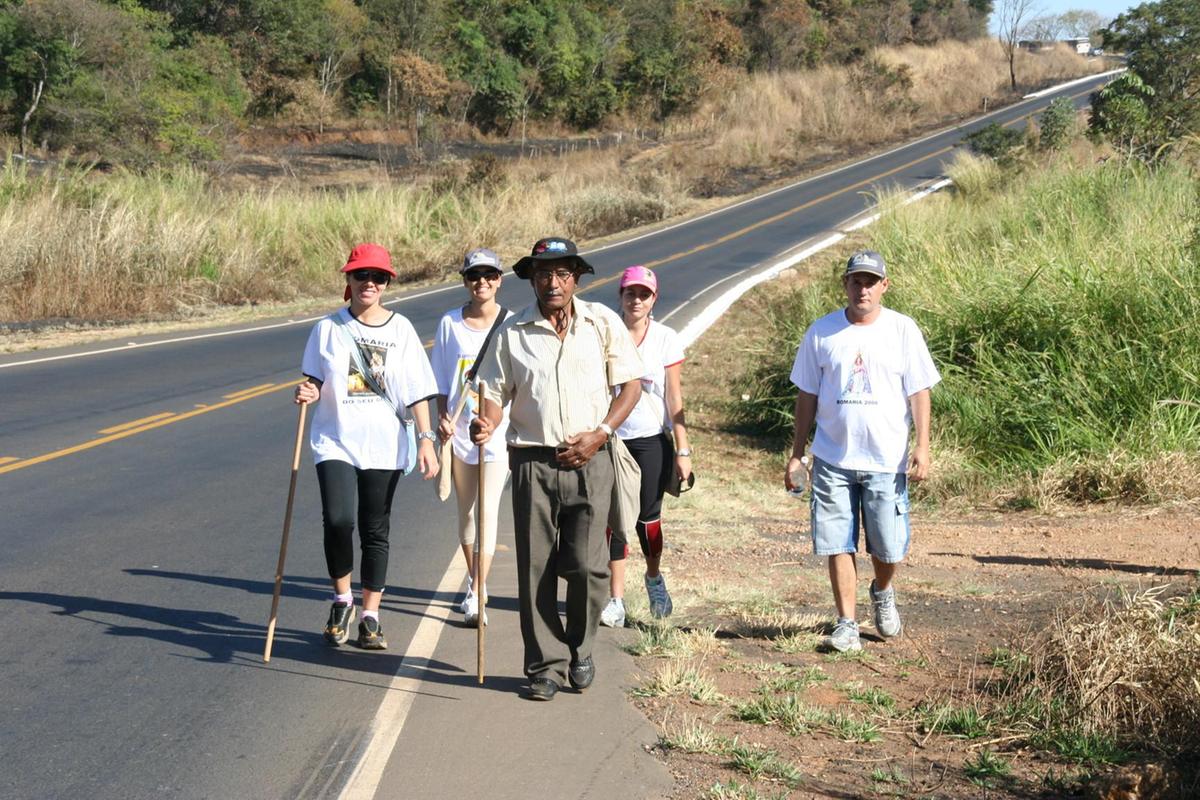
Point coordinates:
[(558, 388)]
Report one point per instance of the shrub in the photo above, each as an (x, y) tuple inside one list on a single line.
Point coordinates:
[(1057, 124), (994, 141)]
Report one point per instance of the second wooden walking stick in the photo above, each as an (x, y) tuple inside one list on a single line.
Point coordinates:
[(480, 510), (287, 525)]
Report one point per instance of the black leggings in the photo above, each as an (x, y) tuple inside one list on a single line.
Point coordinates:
[(340, 484), (653, 455)]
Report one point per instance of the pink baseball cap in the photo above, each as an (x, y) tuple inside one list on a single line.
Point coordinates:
[(639, 276)]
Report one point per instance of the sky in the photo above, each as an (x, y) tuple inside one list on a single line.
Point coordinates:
[(1106, 8)]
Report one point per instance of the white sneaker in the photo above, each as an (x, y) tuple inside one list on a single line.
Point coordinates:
[(613, 615), (471, 611), (660, 599), (467, 601)]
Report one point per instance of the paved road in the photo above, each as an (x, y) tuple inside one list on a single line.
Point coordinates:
[(143, 490)]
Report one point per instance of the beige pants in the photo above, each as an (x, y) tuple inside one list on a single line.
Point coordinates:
[(466, 490)]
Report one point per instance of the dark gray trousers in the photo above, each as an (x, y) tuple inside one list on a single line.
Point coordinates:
[(560, 515)]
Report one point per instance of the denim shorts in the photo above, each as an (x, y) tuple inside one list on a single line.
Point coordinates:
[(841, 498)]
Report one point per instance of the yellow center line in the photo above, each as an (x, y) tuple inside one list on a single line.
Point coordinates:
[(8, 459), (137, 422), (251, 390), (66, 451)]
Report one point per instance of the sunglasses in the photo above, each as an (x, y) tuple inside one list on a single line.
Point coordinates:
[(489, 275), (376, 276)]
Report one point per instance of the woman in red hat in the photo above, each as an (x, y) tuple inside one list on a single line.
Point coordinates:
[(367, 372), (648, 433)]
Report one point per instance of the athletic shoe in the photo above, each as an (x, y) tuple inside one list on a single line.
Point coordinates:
[(471, 611), (581, 673), (466, 601), (887, 617), (844, 638), (337, 629), (660, 598), (370, 635), (613, 615)]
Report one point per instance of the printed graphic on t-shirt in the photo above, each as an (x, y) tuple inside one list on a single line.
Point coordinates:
[(471, 409), (376, 361), (858, 387)]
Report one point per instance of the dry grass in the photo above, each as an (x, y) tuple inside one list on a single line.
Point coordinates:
[(1124, 669), (772, 118)]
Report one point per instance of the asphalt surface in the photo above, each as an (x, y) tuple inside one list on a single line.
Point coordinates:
[(143, 492)]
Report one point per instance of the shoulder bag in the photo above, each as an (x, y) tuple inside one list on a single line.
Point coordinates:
[(446, 451)]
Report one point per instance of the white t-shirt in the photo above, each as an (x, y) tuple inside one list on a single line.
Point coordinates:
[(659, 349), (455, 348), (863, 376), (350, 422)]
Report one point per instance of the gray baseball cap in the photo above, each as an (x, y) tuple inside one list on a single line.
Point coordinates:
[(481, 257), (866, 261)]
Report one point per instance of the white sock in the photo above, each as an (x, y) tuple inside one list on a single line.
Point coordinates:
[(347, 598), (371, 614)]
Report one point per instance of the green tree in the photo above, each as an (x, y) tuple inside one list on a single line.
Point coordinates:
[(1162, 43), (1122, 113)]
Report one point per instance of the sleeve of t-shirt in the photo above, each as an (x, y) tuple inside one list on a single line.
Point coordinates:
[(440, 357), (494, 369), (416, 375), (672, 347), (312, 364), (806, 370), (624, 362), (919, 370)]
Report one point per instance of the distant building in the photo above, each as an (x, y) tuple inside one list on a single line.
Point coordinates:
[(1082, 45)]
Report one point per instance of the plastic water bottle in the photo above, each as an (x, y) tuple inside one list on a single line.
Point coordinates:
[(799, 478)]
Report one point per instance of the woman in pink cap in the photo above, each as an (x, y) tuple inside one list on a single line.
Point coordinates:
[(367, 372), (648, 432)]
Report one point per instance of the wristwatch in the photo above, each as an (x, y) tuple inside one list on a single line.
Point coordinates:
[(686, 452), (606, 429), (430, 435)]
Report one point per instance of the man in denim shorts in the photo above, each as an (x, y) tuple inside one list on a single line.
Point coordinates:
[(863, 374)]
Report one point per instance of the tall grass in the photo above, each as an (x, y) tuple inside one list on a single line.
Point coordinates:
[(1062, 311), (126, 245)]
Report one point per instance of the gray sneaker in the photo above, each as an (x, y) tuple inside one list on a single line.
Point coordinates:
[(660, 599), (887, 617), (844, 638)]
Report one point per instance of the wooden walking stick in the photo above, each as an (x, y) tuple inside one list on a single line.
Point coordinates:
[(287, 525), (480, 507)]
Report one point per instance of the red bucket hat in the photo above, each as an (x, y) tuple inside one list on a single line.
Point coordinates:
[(368, 256)]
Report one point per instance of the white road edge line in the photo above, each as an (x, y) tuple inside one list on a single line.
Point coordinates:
[(392, 713), (702, 321), (1076, 82), (389, 719)]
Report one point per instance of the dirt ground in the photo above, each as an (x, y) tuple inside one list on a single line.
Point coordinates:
[(751, 601)]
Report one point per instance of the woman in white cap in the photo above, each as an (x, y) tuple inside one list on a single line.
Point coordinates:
[(366, 371), (648, 432), (462, 336)]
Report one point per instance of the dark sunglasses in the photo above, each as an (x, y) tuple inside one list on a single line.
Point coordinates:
[(376, 276), (489, 275)]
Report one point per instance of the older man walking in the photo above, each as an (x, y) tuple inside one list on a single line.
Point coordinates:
[(864, 375), (558, 362)]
